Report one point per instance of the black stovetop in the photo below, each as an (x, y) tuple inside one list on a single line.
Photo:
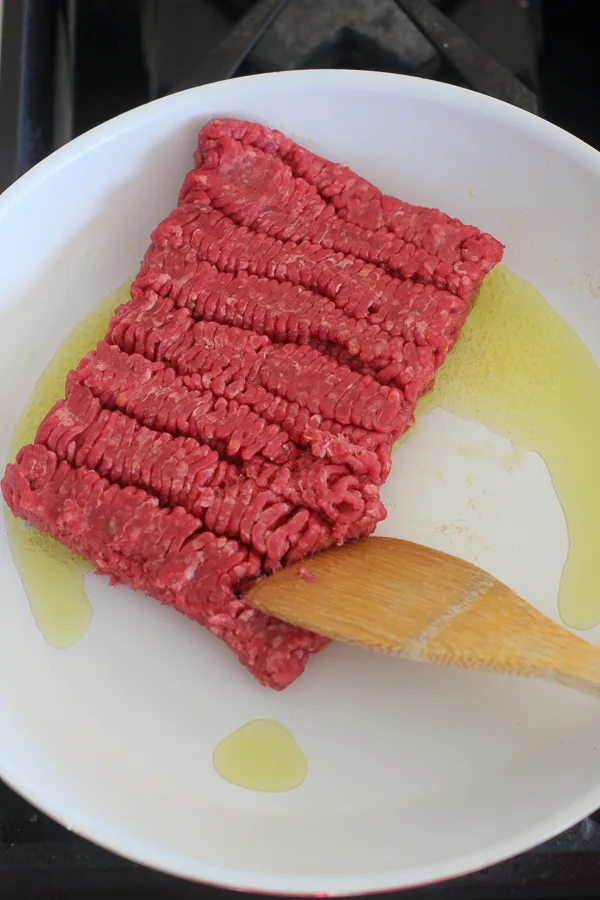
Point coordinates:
[(67, 65)]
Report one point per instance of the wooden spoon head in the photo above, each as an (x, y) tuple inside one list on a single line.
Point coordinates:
[(398, 597), (380, 592)]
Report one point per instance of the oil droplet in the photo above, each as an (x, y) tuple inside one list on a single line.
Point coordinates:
[(262, 755), (53, 580), (522, 371), (52, 576)]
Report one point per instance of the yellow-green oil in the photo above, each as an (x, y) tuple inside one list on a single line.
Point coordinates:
[(522, 371), (518, 368), (262, 755), (52, 576)]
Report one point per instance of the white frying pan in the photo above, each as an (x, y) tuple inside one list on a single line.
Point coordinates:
[(415, 774)]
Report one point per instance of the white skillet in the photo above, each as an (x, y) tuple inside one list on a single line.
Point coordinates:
[(415, 774)]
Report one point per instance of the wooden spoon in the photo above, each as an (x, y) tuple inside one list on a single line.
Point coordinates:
[(402, 598)]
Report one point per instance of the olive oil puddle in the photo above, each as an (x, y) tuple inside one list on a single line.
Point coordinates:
[(521, 370), (518, 368), (52, 576), (262, 755)]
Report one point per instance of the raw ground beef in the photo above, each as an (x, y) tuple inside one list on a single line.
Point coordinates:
[(241, 410)]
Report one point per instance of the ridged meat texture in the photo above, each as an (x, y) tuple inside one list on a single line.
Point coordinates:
[(241, 410)]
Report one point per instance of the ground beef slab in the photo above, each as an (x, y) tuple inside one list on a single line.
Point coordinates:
[(241, 410)]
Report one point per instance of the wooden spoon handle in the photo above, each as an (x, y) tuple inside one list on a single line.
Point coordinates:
[(496, 631), (398, 597)]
